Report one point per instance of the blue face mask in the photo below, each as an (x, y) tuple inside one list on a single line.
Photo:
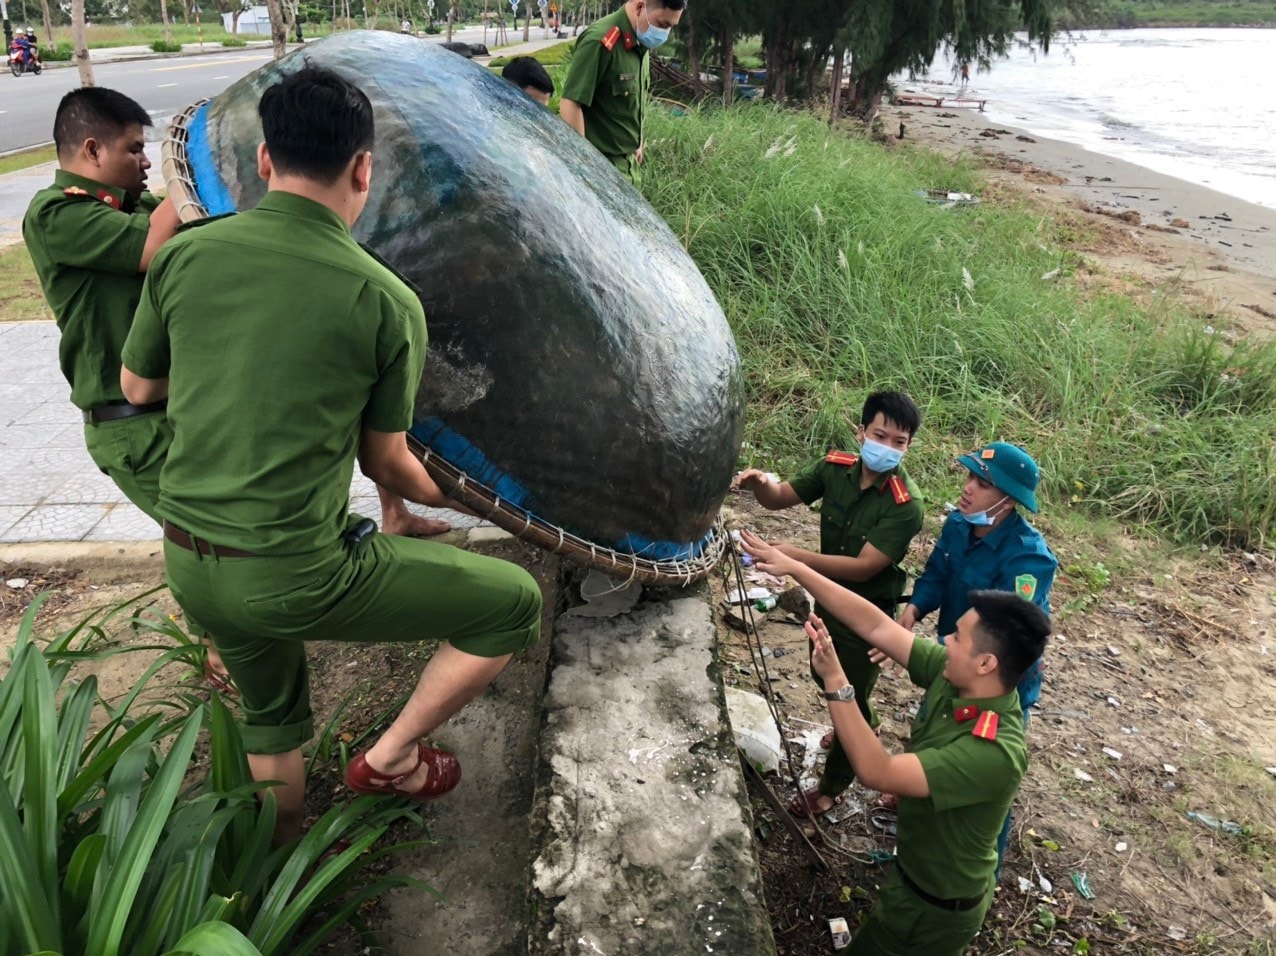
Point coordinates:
[(653, 36), (878, 457), (980, 519)]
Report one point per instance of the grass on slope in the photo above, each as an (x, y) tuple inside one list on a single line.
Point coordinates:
[(838, 280)]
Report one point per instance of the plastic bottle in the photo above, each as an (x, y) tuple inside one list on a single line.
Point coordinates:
[(766, 603)]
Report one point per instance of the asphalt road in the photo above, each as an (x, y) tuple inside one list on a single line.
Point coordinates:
[(163, 87)]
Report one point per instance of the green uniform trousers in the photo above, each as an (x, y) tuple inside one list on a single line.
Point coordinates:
[(629, 168), (385, 589), (852, 654), (903, 924), (131, 452)]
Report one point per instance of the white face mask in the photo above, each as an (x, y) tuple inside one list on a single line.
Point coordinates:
[(653, 36), (980, 519)]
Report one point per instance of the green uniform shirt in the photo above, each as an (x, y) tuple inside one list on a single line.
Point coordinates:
[(611, 85), (948, 841), (87, 251), (851, 518), (282, 339)]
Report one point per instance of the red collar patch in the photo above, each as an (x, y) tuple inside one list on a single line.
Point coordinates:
[(963, 714), (630, 42), (108, 198)]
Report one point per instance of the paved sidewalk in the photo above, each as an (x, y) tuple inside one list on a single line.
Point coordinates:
[(50, 490)]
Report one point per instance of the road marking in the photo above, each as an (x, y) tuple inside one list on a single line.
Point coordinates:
[(166, 85), (204, 66), (221, 78)]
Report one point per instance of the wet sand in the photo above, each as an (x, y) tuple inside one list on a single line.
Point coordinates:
[(1180, 233)]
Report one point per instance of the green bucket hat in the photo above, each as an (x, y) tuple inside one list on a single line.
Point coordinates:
[(1008, 468)]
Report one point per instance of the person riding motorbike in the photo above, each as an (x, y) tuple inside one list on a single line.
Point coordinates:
[(22, 44)]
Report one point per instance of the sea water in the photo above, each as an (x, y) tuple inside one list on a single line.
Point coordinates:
[(1197, 104)]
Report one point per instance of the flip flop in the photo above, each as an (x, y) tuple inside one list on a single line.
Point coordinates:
[(218, 682), (806, 805), (445, 774)]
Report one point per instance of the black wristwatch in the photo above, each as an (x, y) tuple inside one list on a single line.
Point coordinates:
[(844, 693)]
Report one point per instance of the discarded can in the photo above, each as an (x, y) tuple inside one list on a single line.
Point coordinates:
[(766, 603), (841, 933)]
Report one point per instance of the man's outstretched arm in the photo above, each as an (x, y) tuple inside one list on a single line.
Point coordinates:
[(900, 774), (855, 612)]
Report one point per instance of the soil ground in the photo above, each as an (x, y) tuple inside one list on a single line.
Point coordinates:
[(1166, 660), (356, 689)]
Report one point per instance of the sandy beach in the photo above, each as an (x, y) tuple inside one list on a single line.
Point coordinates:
[(1167, 232)]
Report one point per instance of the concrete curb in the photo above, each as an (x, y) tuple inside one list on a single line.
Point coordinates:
[(645, 831), (132, 57)]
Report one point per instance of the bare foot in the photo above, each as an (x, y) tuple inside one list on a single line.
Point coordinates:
[(404, 522)]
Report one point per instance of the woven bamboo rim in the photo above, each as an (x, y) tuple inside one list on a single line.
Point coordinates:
[(455, 483)]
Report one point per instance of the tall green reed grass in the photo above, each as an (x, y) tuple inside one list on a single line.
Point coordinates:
[(109, 846), (838, 280)]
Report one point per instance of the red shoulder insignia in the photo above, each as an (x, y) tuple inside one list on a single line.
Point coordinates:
[(963, 714), (986, 725), (74, 191), (610, 38), (899, 490), (108, 198), (630, 42), (842, 458)]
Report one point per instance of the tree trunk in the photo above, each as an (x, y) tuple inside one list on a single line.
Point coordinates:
[(451, 7), (234, 21), (693, 54), (866, 98), (278, 29), (727, 40), (815, 70), (168, 32), (82, 61), (839, 66), (48, 23), (527, 22)]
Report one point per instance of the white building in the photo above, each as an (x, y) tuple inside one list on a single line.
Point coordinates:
[(254, 20)]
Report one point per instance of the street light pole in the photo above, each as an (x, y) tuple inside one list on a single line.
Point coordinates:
[(8, 27)]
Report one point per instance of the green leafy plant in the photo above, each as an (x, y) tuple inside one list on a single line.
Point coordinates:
[(160, 46), (233, 41), (107, 846)]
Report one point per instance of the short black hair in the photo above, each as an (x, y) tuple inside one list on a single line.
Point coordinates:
[(1011, 627), (669, 4), (314, 123), (525, 71), (94, 112), (896, 407)]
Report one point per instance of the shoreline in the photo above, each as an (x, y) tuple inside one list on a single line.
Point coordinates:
[(1169, 231)]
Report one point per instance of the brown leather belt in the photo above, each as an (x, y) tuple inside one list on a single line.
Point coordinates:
[(112, 413), (953, 906), (184, 540)]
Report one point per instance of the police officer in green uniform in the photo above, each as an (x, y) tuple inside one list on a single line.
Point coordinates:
[(313, 355), (607, 89), (91, 236), (964, 761), (870, 513)]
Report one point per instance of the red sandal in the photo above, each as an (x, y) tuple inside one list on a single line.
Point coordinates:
[(218, 682), (445, 774)]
